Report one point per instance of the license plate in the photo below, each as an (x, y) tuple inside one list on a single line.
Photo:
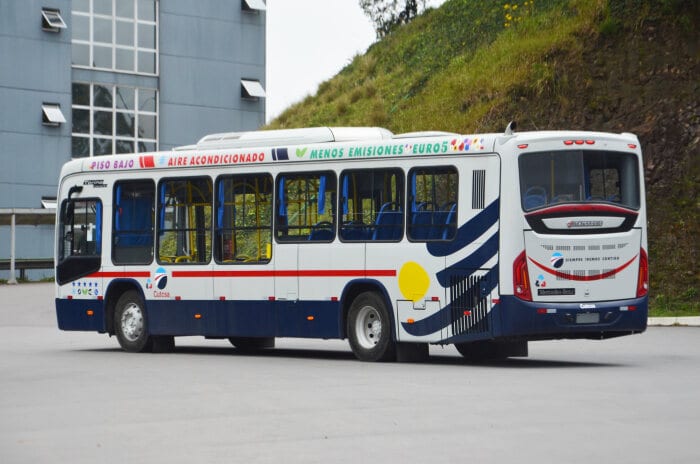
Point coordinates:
[(587, 318)]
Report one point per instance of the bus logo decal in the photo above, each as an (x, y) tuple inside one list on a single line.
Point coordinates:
[(557, 260), (160, 279), (583, 224)]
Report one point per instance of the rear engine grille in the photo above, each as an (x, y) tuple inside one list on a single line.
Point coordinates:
[(469, 307)]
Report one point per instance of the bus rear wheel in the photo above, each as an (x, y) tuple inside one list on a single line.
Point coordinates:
[(369, 329), (131, 323)]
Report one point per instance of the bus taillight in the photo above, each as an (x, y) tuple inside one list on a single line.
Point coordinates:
[(521, 279), (643, 279)]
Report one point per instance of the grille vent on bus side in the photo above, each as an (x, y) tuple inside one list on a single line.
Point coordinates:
[(478, 189), (466, 295)]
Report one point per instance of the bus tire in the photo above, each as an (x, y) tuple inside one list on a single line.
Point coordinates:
[(369, 329), (131, 323)]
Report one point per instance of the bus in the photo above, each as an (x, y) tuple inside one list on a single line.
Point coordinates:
[(393, 242)]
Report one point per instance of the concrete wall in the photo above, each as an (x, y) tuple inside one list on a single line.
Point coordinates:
[(35, 68), (205, 48)]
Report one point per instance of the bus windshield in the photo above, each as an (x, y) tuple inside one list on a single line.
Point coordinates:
[(590, 176)]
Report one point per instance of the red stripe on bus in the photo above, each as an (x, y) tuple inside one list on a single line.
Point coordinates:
[(565, 275), (588, 209), (291, 273)]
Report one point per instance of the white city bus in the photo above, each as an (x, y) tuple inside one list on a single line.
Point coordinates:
[(394, 242)]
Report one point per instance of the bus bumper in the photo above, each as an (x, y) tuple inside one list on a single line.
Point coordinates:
[(595, 320), (76, 314)]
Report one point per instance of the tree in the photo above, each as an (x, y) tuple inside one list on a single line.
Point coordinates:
[(387, 14)]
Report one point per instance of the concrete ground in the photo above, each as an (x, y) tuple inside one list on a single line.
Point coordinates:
[(76, 397)]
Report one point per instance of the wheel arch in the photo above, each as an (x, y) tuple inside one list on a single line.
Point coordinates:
[(115, 290), (355, 288)]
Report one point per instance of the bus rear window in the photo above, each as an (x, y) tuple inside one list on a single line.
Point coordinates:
[(590, 176)]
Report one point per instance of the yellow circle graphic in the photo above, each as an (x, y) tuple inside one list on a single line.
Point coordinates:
[(413, 281)]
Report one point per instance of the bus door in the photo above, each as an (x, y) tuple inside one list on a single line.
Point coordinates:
[(79, 258)]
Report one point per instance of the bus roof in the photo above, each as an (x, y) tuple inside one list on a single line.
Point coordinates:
[(321, 143)]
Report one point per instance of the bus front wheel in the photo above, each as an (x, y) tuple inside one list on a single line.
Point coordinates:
[(131, 323), (369, 329)]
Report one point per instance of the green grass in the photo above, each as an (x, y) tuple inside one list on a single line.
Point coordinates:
[(610, 65), (409, 80)]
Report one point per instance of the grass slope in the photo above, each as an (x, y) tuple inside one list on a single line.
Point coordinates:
[(612, 65)]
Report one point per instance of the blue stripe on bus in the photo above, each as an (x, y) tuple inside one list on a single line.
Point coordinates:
[(474, 261), (468, 232)]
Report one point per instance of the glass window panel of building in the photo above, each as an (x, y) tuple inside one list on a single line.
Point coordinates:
[(117, 35), (111, 119)]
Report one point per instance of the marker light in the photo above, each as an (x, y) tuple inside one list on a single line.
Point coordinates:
[(521, 278), (410, 321), (310, 318), (90, 312), (467, 313), (522, 146), (197, 316)]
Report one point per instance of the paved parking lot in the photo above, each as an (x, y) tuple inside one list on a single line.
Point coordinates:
[(75, 397)]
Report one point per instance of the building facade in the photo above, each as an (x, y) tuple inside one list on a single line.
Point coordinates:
[(83, 78)]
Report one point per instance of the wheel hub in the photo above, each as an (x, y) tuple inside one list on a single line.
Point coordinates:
[(132, 322), (369, 327)]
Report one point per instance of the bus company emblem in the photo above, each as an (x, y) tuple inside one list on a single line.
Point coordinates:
[(556, 260), (583, 224), (160, 279)]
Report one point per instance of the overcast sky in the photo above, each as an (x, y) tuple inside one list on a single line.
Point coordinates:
[(308, 42)]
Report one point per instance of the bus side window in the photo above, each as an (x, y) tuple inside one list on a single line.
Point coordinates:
[(243, 219), (371, 203), (306, 207), (433, 199), (132, 226), (185, 218)]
